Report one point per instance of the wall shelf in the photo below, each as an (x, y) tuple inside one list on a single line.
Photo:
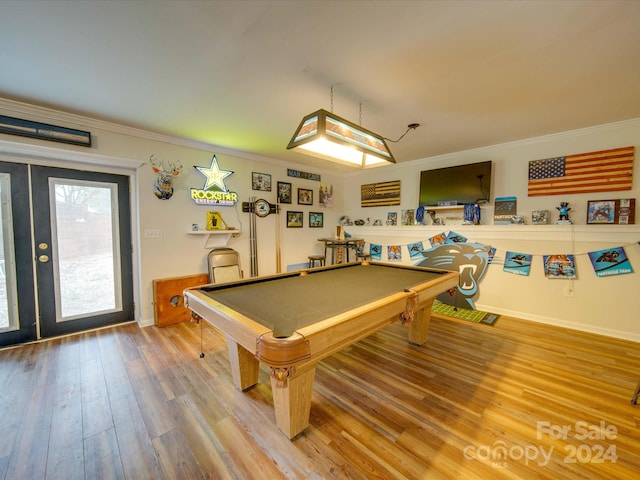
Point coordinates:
[(440, 208), (489, 233), (455, 207), (216, 238)]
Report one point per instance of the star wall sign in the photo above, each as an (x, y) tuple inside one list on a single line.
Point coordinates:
[(214, 191)]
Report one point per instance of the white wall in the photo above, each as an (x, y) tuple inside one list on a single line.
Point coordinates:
[(605, 305), (178, 253), (602, 305)]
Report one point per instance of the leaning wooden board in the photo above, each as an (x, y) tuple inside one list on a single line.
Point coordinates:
[(168, 304)]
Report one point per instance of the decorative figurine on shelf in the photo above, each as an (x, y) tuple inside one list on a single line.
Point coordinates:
[(564, 213), (471, 214), (434, 220)]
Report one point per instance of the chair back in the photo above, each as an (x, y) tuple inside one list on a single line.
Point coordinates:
[(224, 265)]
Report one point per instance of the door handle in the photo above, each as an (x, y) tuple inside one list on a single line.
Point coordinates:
[(43, 258)]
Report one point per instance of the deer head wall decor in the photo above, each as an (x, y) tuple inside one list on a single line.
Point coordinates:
[(166, 171)]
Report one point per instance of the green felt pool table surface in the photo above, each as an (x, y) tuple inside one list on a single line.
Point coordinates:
[(288, 303)]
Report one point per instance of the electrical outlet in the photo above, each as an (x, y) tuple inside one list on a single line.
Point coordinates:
[(153, 233), (569, 292)]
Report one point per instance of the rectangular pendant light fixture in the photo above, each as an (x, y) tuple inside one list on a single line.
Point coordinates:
[(325, 135)]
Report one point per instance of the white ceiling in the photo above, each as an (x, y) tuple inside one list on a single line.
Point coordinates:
[(241, 74)]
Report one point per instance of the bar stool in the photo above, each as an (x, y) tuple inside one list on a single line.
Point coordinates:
[(316, 258), (330, 245), (363, 256), (358, 246)]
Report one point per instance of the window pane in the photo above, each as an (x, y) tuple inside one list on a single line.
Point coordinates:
[(8, 286), (86, 243)]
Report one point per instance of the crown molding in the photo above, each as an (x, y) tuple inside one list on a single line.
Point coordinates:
[(48, 115), (491, 149), (84, 122), (22, 151)]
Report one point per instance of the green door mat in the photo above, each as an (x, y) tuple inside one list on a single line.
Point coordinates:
[(475, 316)]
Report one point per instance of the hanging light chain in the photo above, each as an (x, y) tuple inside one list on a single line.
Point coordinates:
[(331, 98), (411, 126)]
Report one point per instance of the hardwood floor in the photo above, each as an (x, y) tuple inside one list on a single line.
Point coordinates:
[(475, 402)]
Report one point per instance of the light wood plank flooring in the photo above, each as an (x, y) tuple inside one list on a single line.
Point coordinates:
[(475, 402)]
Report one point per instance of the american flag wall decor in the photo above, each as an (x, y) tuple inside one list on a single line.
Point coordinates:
[(380, 194), (602, 171)]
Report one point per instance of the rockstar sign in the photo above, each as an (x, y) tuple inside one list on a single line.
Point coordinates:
[(214, 191)]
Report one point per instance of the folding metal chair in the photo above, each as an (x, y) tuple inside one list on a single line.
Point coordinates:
[(224, 265)]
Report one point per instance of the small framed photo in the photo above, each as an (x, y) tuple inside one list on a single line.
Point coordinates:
[(305, 196), (284, 192), (261, 181), (408, 217), (294, 219), (539, 217), (325, 195), (617, 212), (316, 219)]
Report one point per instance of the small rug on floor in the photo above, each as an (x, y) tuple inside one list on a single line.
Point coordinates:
[(476, 316)]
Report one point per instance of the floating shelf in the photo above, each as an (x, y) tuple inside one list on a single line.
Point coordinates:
[(216, 238), (455, 207), (450, 207)]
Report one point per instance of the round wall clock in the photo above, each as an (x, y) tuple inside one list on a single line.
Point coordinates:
[(261, 207)]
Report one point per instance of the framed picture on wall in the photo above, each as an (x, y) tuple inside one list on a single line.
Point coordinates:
[(325, 195), (284, 192), (618, 212), (294, 219), (305, 196), (316, 219), (261, 181)]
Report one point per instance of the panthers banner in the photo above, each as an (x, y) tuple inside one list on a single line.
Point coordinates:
[(611, 261)]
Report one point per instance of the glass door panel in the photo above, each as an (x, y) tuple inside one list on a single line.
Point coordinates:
[(85, 245), (9, 320)]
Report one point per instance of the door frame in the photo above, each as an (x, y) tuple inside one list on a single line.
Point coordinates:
[(78, 160)]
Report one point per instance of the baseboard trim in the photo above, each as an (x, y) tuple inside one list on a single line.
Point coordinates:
[(607, 332)]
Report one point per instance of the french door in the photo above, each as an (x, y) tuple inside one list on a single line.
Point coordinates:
[(66, 247)]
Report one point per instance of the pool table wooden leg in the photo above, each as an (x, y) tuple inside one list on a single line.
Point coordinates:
[(418, 328), (244, 366), (292, 401)]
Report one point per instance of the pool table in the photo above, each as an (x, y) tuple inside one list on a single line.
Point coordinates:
[(291, 321)]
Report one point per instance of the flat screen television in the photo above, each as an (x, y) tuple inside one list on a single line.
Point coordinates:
[(457, 185)]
